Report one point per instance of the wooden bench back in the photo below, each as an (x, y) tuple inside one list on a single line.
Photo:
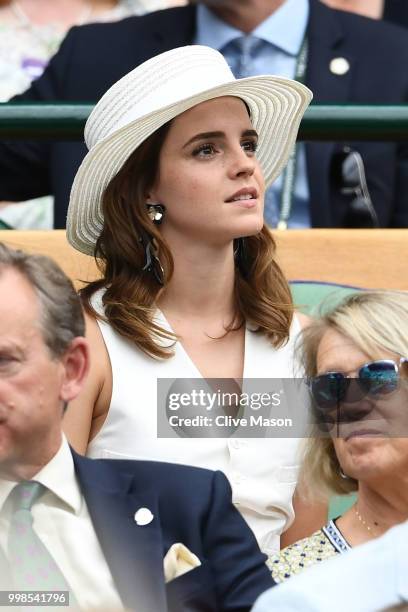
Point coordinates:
[(364, 258)]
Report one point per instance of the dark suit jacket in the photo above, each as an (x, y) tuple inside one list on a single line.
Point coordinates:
[(396, 11), (189, 505), (92, 57)]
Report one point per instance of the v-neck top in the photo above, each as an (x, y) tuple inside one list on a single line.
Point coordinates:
[(262, 471)]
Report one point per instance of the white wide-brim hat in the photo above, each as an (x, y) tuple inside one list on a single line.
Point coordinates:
[(154, 93)]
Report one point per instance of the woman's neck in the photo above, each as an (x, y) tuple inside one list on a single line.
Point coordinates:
[(387, 505), (378, 508), (202, 284)]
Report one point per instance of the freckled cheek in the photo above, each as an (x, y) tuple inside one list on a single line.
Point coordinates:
[(190, 193), (261, 182), (201, 188)]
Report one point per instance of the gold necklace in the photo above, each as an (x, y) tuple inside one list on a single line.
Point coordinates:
[(370, 530)]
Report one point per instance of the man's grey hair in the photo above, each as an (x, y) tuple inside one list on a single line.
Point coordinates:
[(62, 318)]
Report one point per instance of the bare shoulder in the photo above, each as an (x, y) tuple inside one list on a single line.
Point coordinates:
[(304, 320), (309, 517), (93, 332), (92, 404), (99, 353)]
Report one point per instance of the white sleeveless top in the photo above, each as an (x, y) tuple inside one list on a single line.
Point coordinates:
[(262, 472)]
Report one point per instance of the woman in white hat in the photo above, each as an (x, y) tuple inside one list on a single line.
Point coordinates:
[(170, 199)]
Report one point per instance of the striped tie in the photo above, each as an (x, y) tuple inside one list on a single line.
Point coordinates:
[(240, 53)]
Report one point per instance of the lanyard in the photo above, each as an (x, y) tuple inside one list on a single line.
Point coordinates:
[(289, 174)]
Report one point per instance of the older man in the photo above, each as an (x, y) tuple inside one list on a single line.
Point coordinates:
[(112, 533), (342, 57)]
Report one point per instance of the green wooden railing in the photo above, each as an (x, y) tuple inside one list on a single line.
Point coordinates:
[(321, 122)]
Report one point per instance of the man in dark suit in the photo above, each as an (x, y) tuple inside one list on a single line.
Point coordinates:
[(350, 59), (134, 535)]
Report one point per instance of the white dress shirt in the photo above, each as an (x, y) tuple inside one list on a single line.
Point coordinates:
[(63, 524), (281, 36)]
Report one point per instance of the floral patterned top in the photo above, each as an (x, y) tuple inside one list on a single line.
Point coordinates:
[(321, 545)]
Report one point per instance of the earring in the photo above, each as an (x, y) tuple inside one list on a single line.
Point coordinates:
[(156, 212), (152, 262), (241, 256), (342, 474)]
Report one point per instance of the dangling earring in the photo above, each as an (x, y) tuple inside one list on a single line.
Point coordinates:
[(152, 262), (241, 256), (156, 212)]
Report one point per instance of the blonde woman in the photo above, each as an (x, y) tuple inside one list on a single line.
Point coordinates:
[(356, 358)]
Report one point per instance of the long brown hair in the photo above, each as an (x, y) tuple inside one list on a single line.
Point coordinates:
[(262, 294)]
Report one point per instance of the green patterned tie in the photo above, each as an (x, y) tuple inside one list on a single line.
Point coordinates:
[(33, 568)]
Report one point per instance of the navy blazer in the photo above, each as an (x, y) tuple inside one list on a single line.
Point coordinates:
[(189, 505), (93, 57), (396, 11)]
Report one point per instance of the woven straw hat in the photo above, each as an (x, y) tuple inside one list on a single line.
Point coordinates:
[(154, 93)]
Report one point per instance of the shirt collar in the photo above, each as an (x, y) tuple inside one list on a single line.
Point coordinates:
[(58, 476), (5, 489), (284, 29)]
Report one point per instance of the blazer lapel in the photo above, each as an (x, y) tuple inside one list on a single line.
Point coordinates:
[(133, 552), (327, 41)]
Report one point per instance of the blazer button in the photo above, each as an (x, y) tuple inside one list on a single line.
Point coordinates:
[(143, 517)]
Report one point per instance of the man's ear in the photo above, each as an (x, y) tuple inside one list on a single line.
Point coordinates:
[(75, 363)]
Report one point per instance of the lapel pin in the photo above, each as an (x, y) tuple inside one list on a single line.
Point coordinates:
[(143, 516), (339, 65)]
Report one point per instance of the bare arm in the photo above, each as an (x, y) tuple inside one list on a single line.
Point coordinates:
[(304, 320), (86, 414), (309, 517)]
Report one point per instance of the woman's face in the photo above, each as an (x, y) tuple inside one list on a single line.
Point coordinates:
[(367, 445), (209, 178)]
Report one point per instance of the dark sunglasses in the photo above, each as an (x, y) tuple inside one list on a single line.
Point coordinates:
[(374, 378)]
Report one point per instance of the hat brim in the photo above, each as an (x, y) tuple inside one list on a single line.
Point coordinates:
[(276, 105)]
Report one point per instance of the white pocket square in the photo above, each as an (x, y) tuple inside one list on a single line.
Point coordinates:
[(178, 561)]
